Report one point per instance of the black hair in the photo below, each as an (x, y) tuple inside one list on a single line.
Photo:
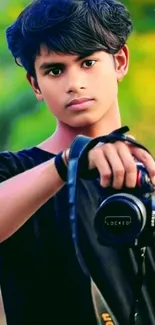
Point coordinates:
[(79, 27)]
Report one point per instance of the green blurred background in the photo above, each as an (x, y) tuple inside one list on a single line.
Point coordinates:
[(24, 122)]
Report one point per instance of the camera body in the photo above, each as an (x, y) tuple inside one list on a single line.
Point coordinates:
[(127, 216)]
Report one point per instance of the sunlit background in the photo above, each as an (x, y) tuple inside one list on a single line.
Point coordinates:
[(24, 122)]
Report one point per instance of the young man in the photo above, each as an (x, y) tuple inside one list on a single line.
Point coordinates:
[(75, 54)]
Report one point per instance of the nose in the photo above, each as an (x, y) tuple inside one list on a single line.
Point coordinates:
[(75, 82)]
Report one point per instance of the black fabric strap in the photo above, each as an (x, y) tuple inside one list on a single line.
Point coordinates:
[(60, 166)]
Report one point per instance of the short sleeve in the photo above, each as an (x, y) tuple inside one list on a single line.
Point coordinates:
[(7, 169), (14, 163)]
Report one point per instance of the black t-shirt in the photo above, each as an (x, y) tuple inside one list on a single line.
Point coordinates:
[(41, 279)]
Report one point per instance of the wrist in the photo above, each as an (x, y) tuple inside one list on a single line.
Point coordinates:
[(61, 165), (65, 156)]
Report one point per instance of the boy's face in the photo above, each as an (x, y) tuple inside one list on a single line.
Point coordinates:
[(92, 82)]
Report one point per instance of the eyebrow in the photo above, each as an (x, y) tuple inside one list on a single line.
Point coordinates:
[(48, 65)]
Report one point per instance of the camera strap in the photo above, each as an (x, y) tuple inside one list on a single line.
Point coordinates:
[(78, 168)]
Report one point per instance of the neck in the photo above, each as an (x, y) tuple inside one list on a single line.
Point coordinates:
[(64, 134)]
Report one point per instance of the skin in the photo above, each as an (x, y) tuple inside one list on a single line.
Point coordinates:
[(96, 77)]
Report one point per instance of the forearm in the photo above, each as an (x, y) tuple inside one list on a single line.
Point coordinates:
[(22, 195)]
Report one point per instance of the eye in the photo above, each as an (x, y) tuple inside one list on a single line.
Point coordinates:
[(55, 71), (89, 63)]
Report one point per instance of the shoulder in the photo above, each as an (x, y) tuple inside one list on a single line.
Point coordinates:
[(13, 163)]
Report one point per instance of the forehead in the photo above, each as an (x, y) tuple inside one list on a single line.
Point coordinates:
[(46, 54)]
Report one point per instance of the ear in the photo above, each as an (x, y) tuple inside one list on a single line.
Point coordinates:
[(122, 62), (34, 84)]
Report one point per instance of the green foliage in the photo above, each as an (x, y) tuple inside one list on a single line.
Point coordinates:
[(24, 122)]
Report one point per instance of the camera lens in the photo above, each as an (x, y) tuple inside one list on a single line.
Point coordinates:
[(120, 219)]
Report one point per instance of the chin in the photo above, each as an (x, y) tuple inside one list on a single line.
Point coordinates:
[(83, 121), (82, 124)]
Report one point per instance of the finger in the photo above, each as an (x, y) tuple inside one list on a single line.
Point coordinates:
[(144, 157), (97, 160), (129, 165), (116, 165)]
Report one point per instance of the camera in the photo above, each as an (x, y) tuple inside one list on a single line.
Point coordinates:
[(127, 216)]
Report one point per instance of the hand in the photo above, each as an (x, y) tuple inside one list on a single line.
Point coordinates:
[(117, 166)]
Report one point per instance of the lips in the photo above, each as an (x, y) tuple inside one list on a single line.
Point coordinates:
[(79, 101), (80, 104)]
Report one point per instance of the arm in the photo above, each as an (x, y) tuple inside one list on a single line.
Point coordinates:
[(22, 195)]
